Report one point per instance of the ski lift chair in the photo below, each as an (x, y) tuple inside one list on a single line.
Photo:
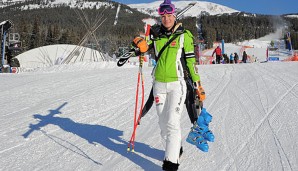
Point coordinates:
[(14, 43)]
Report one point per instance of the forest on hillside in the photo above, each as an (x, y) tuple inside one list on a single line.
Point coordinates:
[(65, 25)]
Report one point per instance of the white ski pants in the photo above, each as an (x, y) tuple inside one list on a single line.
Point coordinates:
[(169, 100)]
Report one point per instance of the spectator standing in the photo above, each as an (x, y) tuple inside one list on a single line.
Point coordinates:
[(231, 58), (244, 57), (217, 52), (236, 58)]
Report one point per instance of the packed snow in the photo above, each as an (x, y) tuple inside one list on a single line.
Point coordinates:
[(80, 117)]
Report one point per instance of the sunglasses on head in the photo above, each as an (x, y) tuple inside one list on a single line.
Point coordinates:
[(166, 9)]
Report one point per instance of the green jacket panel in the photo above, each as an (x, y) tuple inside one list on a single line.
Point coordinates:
[(169, 67)]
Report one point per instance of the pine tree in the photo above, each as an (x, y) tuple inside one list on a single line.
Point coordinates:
[(24, 34), (35, 35), (66, 38), (49, 36)]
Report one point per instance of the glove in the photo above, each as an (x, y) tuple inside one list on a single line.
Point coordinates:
[(200, 92), (141, 44)]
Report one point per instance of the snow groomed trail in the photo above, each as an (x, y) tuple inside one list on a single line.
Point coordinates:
[(81, 119)]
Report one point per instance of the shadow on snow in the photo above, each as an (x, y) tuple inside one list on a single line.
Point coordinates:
[(96, 134)]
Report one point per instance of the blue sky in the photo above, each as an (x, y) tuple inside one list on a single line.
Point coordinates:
[(274, 7)]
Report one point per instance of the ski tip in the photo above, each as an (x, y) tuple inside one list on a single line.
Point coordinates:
[(121, 62)]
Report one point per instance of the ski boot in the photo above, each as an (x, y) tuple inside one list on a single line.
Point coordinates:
[(202, 125), (207, 117), (196, 138), (169, 166), (205, 132), (200, 133)]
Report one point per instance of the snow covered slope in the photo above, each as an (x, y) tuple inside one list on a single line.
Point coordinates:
[(147, 8), (208, 7), (70, 118), (56, 54), (292, 16), (56, 3), (256, 48)]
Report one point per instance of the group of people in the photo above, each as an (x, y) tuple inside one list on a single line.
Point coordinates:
[(224, 59), (233, 58)]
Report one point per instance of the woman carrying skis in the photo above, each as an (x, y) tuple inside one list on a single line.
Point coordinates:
[(174, 53)]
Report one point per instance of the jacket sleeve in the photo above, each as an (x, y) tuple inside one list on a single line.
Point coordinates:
[(190, 56)]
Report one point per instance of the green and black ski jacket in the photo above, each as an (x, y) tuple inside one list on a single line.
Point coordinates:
[(177, 57), (177, 61)]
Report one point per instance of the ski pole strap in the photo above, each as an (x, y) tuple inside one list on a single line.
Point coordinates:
[(167, 44)]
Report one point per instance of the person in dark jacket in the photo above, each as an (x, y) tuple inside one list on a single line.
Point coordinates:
[(244, 57), (236, 57), (225, 59)]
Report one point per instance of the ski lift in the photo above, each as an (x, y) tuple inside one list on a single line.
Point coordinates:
[(5, 26), (14, 42), (14, 37)]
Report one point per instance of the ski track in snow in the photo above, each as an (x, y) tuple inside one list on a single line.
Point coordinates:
[(276, 139), (257, 104), (82, 120)]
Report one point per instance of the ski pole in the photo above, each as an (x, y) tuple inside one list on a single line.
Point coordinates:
[(135, 113), (142, 103), (137, 119), (140, 76)]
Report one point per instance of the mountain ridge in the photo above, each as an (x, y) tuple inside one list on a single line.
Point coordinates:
[(200, 6)]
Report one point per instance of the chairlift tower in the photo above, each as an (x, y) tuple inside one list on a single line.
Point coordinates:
[(10, 43), (5, 26)]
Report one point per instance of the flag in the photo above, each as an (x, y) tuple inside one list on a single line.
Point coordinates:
[(289, 41)]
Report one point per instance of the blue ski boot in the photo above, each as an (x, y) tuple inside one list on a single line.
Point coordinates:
[(207, 117), (196, 138), (203, 125), (200, 133), (205, 132)]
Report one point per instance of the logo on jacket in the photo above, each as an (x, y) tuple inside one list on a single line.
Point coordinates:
[(156, 99), (173, 43)]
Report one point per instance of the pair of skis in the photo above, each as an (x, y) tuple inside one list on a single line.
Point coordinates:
[(122, 60)]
